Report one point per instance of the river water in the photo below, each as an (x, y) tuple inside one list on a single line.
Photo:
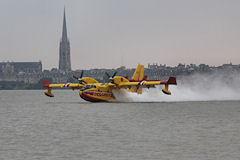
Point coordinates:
[(33, 126)]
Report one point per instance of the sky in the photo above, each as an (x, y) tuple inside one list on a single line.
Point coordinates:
[(112, 33)]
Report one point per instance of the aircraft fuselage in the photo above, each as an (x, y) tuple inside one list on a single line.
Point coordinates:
[(94, 93)]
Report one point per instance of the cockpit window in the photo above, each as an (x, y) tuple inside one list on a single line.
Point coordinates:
[(87, 87)]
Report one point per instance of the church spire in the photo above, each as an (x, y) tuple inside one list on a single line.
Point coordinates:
[(64, 49), (64, 30)]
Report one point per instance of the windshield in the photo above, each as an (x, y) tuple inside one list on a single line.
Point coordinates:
[(87, 87)]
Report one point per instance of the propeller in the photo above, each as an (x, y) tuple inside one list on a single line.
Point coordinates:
[(80, 80), (111, 80)]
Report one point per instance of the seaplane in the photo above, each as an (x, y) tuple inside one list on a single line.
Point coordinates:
[(93, 91)]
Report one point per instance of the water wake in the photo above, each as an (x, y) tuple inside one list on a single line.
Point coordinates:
[(197, 87)]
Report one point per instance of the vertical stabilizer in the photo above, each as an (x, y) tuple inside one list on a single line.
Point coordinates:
[(139, 73), (138, 76)]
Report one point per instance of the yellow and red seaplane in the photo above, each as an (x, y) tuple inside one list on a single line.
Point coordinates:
[(93, 91)]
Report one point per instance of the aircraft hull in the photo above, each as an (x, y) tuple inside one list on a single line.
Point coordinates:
[(95, 96)]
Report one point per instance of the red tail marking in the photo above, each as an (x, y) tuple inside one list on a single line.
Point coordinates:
[(46, 83), (172, 80)]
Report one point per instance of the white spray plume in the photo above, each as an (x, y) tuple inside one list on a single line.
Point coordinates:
[(197, 87)]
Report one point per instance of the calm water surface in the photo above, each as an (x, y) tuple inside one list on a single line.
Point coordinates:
[(33, 126)]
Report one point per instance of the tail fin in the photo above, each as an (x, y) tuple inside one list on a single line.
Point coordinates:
[(138, 76), (139, 73)]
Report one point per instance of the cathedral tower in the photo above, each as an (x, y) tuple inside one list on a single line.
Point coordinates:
[(64, 50)]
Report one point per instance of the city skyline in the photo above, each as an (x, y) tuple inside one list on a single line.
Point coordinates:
[(109, 34)]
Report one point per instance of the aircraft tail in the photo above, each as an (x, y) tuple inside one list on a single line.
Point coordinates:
[(138, 76), (139, 73)]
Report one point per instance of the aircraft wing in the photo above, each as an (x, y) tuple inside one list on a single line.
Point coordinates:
[(48, 85), (142, 84), (148, 84), (63, 85), (66, 85)]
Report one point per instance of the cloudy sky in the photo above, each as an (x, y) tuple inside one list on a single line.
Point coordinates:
[(111, 33)]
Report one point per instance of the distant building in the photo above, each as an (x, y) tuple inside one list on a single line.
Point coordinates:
[(20, 67), (24, 72), (64, 50)]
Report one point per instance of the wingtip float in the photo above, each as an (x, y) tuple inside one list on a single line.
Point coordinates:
[(93, 91)]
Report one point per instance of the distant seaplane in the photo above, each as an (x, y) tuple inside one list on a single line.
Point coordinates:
[(93, 91)]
